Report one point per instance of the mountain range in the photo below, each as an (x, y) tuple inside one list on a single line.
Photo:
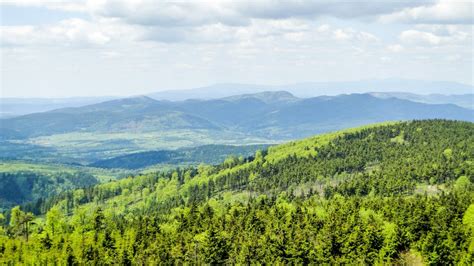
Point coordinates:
[(313, 89), (463, 100), (413, 90), (123, 126), (275, 115)]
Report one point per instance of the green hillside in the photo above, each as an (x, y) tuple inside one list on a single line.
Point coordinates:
[(398, 193), (208, 154), (23, 181)]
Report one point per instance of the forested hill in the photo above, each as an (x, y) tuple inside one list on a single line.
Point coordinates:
[(398, 193)]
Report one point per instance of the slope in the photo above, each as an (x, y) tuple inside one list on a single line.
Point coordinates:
[(379, 194), (21, 182), (208, 154), (323, 114), (141, 114)]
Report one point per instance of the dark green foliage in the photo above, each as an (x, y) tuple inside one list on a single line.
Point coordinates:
[(209, 154), (20, 187)]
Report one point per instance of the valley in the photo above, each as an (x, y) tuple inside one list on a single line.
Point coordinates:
[(122, 126)]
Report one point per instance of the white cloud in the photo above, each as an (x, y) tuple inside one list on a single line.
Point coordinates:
[(229, 12), (342, 35), (419, 37), (167, 13), (351, 34), (67, 32), (218, 21), (323, 28), (439, 35), (312, 9), (395, 48), (444, 11), (103, 31), (66, 5), (242, 41)]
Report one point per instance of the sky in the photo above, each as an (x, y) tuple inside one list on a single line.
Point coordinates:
[(114, 47)]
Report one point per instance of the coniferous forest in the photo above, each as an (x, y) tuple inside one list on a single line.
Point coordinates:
[(394, 193)]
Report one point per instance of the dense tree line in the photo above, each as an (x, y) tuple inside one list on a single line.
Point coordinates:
[(209, 154), (23, 186), (399, 193)]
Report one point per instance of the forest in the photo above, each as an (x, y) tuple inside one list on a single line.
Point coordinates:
[(22, 181), (393, 193)]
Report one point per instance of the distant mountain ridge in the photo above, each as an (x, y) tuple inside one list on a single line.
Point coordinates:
[(277, 115), (20, 106), (463, 100), (415, 90), (314, 89)]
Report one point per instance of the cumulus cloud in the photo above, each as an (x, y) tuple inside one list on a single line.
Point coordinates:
[(218, 21), (66, 5), (242, 12), (226, 38), (351, 34), (214, 33), (167, 13), (395, 48), (228, 12), (437, 35), (442, 12), (312, 9), (67, 32)]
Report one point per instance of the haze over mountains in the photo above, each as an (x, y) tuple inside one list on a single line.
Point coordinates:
[(463, 100), (20, 106), (313, 89), (414, 90), (279, 114)]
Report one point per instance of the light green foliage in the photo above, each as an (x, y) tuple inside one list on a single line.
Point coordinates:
[(55, 221), (308, 147), (462, 183), (400, 139), (2, 223), (20, 222), (468, 221), (468, 218), (448, 153), (21, 182)]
